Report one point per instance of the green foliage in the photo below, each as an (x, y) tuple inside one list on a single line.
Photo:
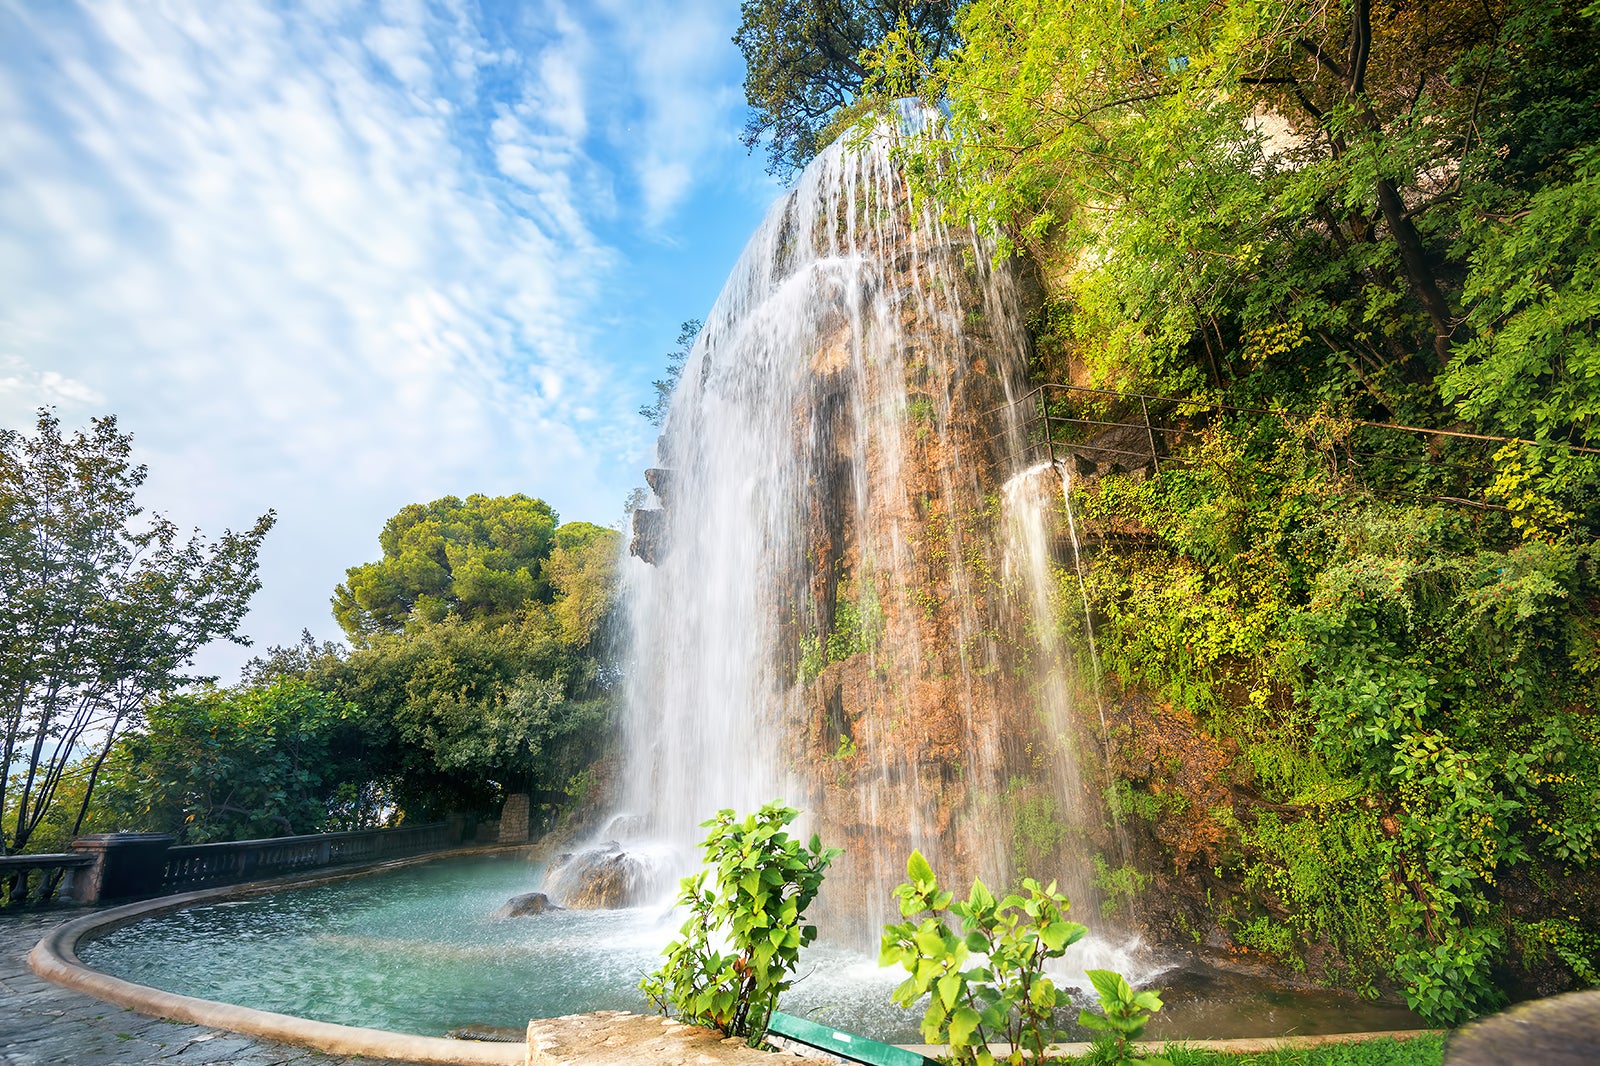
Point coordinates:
[(744, 934), (1118, 886), (656, 412), (1037, 828), (857, 620), (1005, 994), (464, 711), (481, 557), (1316, 866), (238, 764), (804, 71), (498, 693), (101, 610), (1564, 938), (1409, 697), (1123, 1015), (1442, 678), (1418, 1051), (1533, 369)]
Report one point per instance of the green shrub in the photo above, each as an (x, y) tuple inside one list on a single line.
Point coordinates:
[(1123, 1016), (1005, 994), (764, 881)]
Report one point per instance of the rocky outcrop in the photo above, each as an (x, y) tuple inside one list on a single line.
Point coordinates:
[(607, 878), (648, 526), (526, 904)]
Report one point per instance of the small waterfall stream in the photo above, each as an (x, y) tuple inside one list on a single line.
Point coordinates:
[(850, 596)]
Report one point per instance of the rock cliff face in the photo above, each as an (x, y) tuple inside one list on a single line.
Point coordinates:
[(851, 584)]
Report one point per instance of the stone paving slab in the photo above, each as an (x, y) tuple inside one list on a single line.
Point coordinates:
[(42, 1024)]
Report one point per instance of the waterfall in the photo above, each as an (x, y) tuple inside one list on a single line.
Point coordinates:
[(841, 605)]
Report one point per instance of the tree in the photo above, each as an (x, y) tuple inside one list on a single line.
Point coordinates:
[(467, 711), (291, 661), (582, 569), (1236, 190), (478, 557), (656, 412), (98, 612), (240, 764), (463, 704), (803, 69)]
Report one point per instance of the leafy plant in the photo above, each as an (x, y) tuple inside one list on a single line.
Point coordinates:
[(1123, 1016), (743, 937), (1004, 994)]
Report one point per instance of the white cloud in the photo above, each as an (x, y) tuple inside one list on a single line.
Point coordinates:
[(687, 110), (316, 257), (21, 383), (335, 256)]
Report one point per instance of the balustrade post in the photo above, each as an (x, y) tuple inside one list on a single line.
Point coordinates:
[(125, 866)]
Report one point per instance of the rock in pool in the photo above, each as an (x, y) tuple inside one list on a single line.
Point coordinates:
[(526, 904)]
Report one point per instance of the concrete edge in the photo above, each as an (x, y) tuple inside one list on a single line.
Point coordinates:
[(1237, 1045), (54, 958)]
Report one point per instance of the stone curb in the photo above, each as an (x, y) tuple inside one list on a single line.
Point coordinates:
[(1248, 1045), (55, 959)]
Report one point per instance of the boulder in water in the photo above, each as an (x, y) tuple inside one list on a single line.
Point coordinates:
[(526, 904), (606, 878)]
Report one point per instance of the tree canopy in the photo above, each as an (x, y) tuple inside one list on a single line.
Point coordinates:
[(656, 411), (804, 72), (100, 610), (481, 557), (482, 650), (239, 764)]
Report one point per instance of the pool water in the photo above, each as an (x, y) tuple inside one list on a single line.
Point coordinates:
[(415, 950)]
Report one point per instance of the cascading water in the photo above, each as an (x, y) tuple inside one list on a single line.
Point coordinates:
[(841, 608)]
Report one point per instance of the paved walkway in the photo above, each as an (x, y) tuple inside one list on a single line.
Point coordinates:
[(42, 1023)]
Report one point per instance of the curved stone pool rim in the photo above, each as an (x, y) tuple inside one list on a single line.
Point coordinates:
[(55, 958)]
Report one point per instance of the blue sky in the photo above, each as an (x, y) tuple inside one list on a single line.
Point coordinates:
[(333, 257)]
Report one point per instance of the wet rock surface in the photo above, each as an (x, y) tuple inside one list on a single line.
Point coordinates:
[(604, 878), (1559, 1031), (526, 904)]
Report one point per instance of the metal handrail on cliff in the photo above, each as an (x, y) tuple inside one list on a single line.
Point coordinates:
[(1144, 398), (1039, 395)]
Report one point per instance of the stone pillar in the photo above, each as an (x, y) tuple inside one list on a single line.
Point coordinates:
[(514, 819), (126, 866)]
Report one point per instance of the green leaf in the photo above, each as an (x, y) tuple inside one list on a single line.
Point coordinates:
[(1090, 1020), (918, 870), (1110, 986), (963, 1023)]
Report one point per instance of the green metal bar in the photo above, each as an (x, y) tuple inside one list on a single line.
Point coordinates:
[(845, 1045)]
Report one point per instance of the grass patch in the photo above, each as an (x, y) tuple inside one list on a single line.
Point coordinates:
[(1419, 1051)]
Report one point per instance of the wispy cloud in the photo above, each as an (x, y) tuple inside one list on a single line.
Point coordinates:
[(333, 256)]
